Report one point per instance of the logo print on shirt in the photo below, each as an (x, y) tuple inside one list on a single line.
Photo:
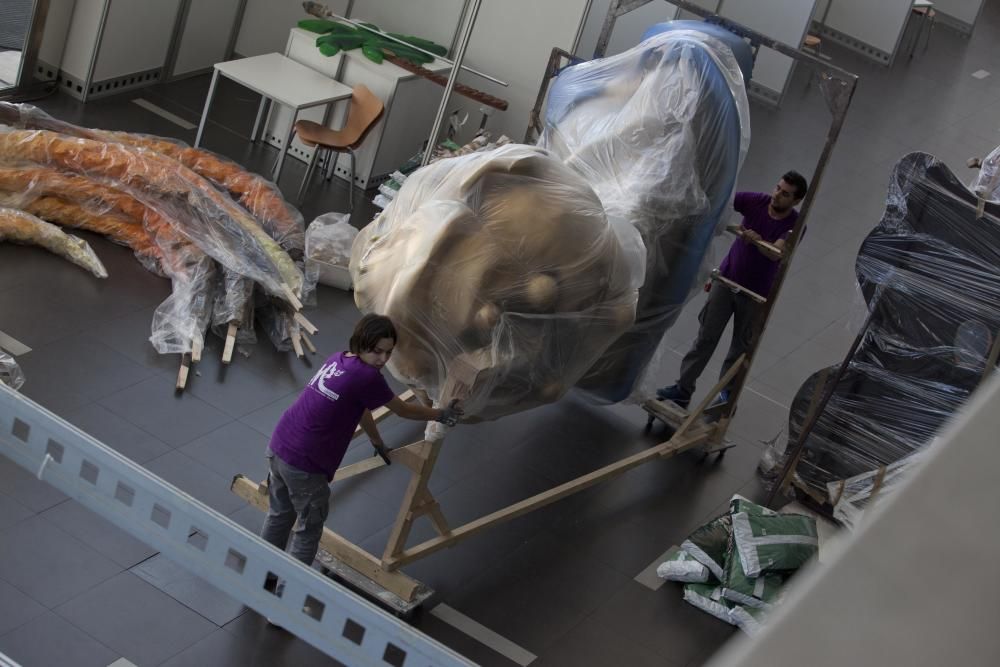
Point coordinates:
[(324, 374)]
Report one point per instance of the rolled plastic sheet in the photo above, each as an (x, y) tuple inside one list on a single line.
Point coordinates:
[(20, 227), (930, 275), (659, 132), (220, 227), (502, 275)]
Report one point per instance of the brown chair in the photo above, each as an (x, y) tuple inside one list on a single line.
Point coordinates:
[(365, 111)]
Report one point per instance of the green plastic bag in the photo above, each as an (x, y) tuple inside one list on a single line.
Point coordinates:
[(768, 543), (708, 598), (708, 545)]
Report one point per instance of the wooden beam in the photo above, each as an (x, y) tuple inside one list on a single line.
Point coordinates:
[(710, 396), (227, 351), (417, 496), (376, 461), (671, 447), (304, 323), (770, 247), (339, 547), (182, 372), (379, 414)]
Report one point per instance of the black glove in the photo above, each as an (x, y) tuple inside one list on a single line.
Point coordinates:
[(451, 414)]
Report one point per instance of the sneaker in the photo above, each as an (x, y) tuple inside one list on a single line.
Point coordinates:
[(675, 394), (721, 399)]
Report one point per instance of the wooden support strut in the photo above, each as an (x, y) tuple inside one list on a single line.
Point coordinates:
[(677, 444), (770, 247), (341, 548), (227, 351)]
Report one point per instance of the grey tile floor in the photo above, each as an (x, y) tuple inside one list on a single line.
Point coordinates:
[(75, 589)]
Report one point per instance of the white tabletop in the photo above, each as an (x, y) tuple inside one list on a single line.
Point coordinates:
[(284, 80)]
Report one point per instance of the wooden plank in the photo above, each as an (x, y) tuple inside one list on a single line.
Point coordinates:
[(197, 347), (770, 247), (182, 372), (308, 343), (341, 548), (736, 286), (416, 495), (710, 396), (666, 411), (304, 323), (297, 344), (376, 461), (227, 351), (666, 449), (381, 413)]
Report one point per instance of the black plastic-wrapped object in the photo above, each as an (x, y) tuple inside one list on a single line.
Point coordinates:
[(930, 274)]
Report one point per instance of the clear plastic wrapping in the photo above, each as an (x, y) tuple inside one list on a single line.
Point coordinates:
[(659, 132), (10, 372), (987, 183), (20, 227), (220, 227), (328, 249), (930, 274), (502, 275)]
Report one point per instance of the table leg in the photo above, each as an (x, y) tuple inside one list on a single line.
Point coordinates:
[(260, 116), (286, 146), (208, 104)]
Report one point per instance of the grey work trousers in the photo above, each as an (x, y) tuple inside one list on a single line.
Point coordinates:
[(722, 304), (299, 502)]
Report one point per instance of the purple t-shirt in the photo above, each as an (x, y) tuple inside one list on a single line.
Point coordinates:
[(315, 431), (745, 264)]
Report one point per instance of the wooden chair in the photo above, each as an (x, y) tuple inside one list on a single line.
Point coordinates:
[(365, 111)]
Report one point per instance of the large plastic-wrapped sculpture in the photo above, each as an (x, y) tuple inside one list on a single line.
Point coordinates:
[(503, 275), (511, 272), (659, 132), (930, 274)]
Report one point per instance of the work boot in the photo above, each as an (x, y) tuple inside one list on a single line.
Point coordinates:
[(674, 393), (721, 399)]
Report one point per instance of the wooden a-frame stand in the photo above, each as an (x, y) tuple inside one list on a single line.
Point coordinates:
[(420, 458)]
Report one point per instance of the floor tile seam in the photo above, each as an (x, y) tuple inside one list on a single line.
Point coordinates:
[(151, 434), (81, 630), (27, 595)]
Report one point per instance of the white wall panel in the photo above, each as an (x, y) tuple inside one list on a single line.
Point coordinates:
[(266, 24), (136, 37), (628, 28), (435, 20), (512, 41), (966, 11), (82, 37), (205, 35), (783, 20), (877, 24)]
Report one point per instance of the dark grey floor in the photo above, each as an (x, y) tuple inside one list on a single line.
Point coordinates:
[(559, 582)]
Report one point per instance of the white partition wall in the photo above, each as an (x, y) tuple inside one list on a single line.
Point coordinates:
[(871, 28), (784, 20), (436, 20), (959, 14), (512, 41), (204, 37), (136, 38), (628, 28), (266, 24)]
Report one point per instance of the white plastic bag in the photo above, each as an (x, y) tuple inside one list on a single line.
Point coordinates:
[(10, 372), (328, 249)]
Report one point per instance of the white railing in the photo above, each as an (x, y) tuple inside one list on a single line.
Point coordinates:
[(313, 607)]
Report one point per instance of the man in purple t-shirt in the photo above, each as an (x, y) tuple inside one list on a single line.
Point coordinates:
[(767, 218), (312, 436)]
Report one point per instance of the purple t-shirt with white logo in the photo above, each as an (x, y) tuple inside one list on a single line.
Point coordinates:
[(745, 264), (315, 431)]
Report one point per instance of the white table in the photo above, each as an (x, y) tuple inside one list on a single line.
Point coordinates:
[(280, 79)]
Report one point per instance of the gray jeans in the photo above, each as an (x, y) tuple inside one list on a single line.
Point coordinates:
[(721, 305), (299, 503)]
